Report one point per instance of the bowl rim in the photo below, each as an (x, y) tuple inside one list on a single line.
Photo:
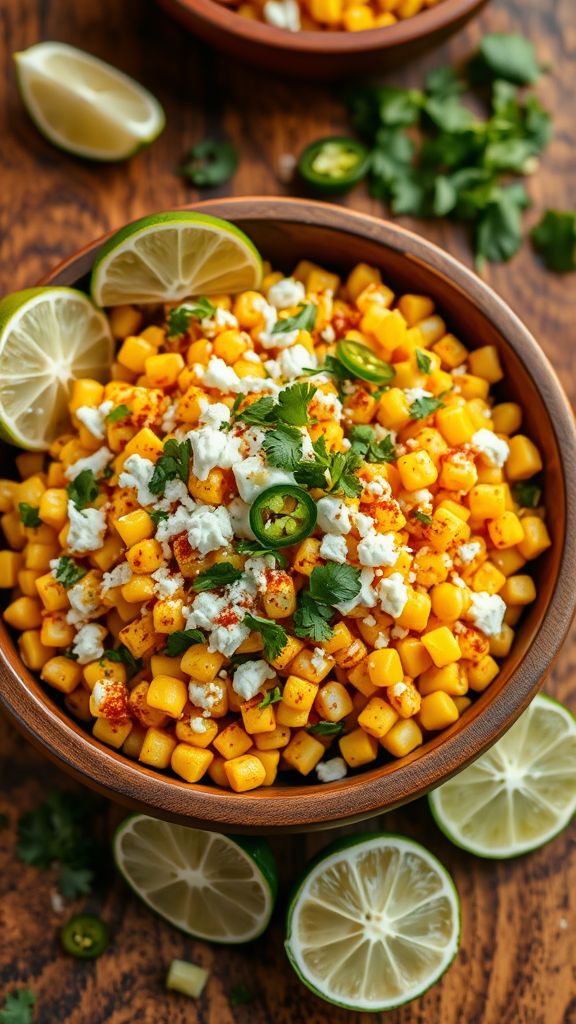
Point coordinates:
[(433, 20), (386, 786)]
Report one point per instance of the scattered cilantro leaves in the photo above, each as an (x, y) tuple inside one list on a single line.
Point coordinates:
[(332, 471), (221, 574), (329, 585), (311, 618), (258, 413), (554, 238), (17, 1007), (422, 517), (303, 320), (253, 547), (83, 490), (179, 642), (125, 657), (283, 447), (363, 440), (326, 728), (274, 636), (179, 318), (173, 463), (423, 361), (527, 494), (121, 412), (420, 408), (68, 572), (59, 830), (290, 409), (506, 56), (157, 516), (29, 515), (271, 697)]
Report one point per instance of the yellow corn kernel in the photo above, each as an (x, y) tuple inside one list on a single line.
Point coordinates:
[(292, 647), (61, 673), (507, 418), (357, 19), (393, 409), (217, 773), (195, 738), (303, 752), (376, 624), (190, 763), (385, 667), (447, 602), (487, 501), (451, 351), (56, 631), (269, 760), (417, 470), (536, 537), (10, 565), (14, 531), (319, 279), (33, 652), (230, 345), (377, 718), (134, 527), (124, 320), (455, 424), (24, 613), (167, 615), (482, 674), (452, 679), (133, 743), (104, 668), (288, 716), (139, 636), (163, 665), (431, 567), (307, 556), (157, 748), (513, 614), (506, 531), (114, 735), (501, 643), (485, 362), (333, 702), (167, 694), (53, 507), (446, 529), (488, 578), (78, 704), (148, 717), (402, 738), (358, 748), (134, 352), (360, 277), (146, 444), (416, 612), (162, 370), (51, 593), (200, 663), (311, 666), (508, 561), (299, 694), (442, 646), (458, 472), (279, 598), (413, 655), (138, 590), (341, 638), (273, 740), (519, 590), (214, 490), (233, 741), (437, 711), (524, 459), (256, 719), (244, 773), (107, 554), (404, 698), (39, 556), (145, 556)]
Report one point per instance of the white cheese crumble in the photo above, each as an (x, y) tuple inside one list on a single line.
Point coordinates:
[(382, 640), (329, 404), (212, 448), (84, 601), (220, 376), (366, 597), (166, 584), (334, 548), (206, 695), (198, 724), (137, 472), (117, 577), (363, 524), (379, 487), (250, 677), (96, 462), (253, 476), (94, 418), (87, 528), (328, 334), (287, 292), (393, 595), (209, 528), (319, 660), (334, 516), (332, 770), (88, 643), (487, 612), (222, 320), (377, 549), (413, 394), (239, 513), (270, 317), (293, 361), (492, 447), (468, 552)]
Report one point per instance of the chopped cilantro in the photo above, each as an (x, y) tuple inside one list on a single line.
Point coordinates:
[(422, 517), (221, 574), (332, 471), (253, 547), (271, 697), (363, 440), (293, 404), (274, 636), (423, 407), (259, 412), (423, 361), (526, 494), (311, 618), (334, 583), (68, 572), (29, 514), (173, 463), (83, 490), (505, 56), (304, 320), (121, 412), (554, 237), (283, 447), (123, 655), (179, 318), (326, 728), (157, 516), (179, 642), (17, 1007)]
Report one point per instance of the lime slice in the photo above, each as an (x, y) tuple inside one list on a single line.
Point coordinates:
[(210, 886), (84, 105), (374, 923), (48, 338), (520, 793), (171, 256)]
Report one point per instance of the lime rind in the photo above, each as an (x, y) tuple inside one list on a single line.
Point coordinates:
[(520, 730), (331, 855), (148, 261), (249, 857)]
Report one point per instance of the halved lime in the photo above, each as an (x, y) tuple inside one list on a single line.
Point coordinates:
[(171, 256), (520, 793), (208, 885), (374, 923), (48, 338), (84, 105)]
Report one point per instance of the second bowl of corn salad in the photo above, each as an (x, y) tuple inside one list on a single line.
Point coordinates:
[(303, 554)]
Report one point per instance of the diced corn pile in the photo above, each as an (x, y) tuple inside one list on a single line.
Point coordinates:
[(332, 15), (437, 606)]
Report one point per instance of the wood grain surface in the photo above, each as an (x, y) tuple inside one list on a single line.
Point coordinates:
[(516, 965)]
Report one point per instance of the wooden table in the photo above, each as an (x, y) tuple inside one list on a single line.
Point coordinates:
[(515, 965)]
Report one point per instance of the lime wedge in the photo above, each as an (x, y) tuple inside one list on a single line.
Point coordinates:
[(171, 256), (374, 923), (210, 886), (48, 338), (520, 793), (84, 105)]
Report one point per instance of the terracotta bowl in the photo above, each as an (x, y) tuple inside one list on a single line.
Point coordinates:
[(320, 54), (286, 230)]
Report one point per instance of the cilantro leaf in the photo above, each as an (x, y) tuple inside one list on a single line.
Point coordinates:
[(29, 514), (334, 583), (507, 56), (274, 636), (283, 447), (326, 728), (179, 642), (422, 407), (121, 412), (271, 697), (363, 440), (398, 106), (253, 547), (526, 494), (311, 618), (444, 82), (293, 402), (258, 412), (59, 830), (173, 463), (422, 517), (125, 657), (158, 516), (74, 881), (423, 361), (303, 320), (499, 229), (179, 318), (331, 471), (17, 1007), (68, 572), (554, 238), (83, 490), (221, 574)]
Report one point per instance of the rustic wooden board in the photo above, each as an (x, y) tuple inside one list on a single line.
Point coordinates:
[(516, 965)]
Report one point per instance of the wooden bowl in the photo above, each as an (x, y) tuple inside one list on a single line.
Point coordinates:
[(320, 54), (286, 230)]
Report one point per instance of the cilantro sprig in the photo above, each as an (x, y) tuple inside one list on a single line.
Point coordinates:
[(253, 547), (334, 472), (422, 517), (179, 642), (68, 572), (423, 361), (527, 494), (363, 440), (271, 697), (179, 318), (121, 412), (326, 728), (420, 408), (29, 515), (554, 238), (221, 574), (125, 657), (273, 635), (174, 463), (303, 320), (289, 409), (17, 1007), (83, 490), (329, 585)]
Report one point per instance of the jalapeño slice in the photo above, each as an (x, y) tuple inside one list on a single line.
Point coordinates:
[(363, 362), (334, 165), (282, 515), (84, 936)]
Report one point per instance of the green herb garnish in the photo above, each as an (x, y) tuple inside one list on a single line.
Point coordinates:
[(423, 407), (423, 361), (179, 318), (363, 440), (125, 657), (554, 238), (221, 574), (29, 515), (326, 728), (303, 320), (273, 635), (83, 490), (121, 412), (422, 517), (271, 697), (68, 572), (209, 163), (179, 642), (174, 463), (253, 547), (527, 495), (329, 585), (283, 447), (157, 516), (17, 1007)]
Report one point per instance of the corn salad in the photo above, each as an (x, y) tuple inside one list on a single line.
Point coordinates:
[(332, 15), (290, 533)]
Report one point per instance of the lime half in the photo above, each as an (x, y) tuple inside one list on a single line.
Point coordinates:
[(48, 338), (171, 256), (520, 793), (84, 105), (374, 923), (206, 884)]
